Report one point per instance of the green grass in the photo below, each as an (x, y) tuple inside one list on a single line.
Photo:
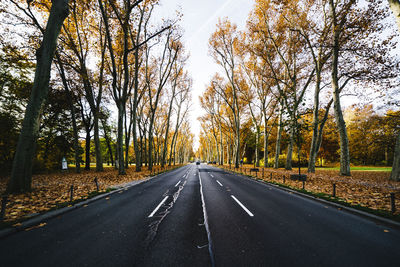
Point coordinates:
[(358, 168)]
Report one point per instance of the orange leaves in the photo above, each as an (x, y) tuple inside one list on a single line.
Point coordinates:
[(36, 226), (365, 188), (53, 190)]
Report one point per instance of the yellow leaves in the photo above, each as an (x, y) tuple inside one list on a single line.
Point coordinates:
[(365, 188), (36, 226), (52, 190)]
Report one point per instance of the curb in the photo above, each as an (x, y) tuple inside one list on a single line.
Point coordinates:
[(372, 217), (51, 214)]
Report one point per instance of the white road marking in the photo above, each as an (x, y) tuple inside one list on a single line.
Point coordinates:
[(219, 183), (212, 175), (159, 205), (243, 207), (178, 183)]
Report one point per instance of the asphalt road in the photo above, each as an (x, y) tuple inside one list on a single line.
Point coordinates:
[(204, 216)]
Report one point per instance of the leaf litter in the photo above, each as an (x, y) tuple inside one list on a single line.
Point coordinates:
[(52, 191)]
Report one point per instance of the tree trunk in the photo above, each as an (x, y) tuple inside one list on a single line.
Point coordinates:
[(215, 139), (278, 140), (315, 123), (237, 148), (73, 114), (289, 154), (97, 147), (395, 174), (257, 160), (164, 151), (340, 123), (229, 151), (21, 174), (265, 145), (221, 144), (87, 150), (46, 148), (120, 141), (108, 141), (146, 163), (172, 148), (76, 139), (150, 148), (128, 137), (138, 152), (395, 7)]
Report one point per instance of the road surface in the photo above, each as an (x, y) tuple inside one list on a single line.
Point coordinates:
[(199, 215)]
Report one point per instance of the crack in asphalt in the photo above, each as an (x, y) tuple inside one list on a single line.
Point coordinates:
[(162, 213)]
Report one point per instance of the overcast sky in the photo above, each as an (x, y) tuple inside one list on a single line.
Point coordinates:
[(199, 20)]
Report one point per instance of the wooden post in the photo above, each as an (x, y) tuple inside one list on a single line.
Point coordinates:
[(393, 202), (271, 175), (71, 193), (334, 190), (284, 179), (303, 184), (97, 184), (4, 200), (263, 173)]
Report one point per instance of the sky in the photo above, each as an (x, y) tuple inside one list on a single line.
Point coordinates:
[(199, 22)]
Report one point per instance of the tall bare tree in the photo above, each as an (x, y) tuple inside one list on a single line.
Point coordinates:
[(21, 176)]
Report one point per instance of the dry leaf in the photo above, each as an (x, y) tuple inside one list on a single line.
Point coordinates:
[(36, 226)]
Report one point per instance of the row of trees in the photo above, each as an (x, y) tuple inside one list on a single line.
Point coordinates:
[(371, 138), (296, 61), (109, 56)]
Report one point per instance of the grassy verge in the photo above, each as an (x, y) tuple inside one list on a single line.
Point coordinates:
[(356, 168)]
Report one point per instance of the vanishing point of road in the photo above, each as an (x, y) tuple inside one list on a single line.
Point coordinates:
[(199, 215)]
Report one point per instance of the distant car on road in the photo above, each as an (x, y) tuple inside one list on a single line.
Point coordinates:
[(197, 162)]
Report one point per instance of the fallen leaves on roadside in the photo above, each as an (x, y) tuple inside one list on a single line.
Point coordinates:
[(51, 191), (365, 188), (36, 226)]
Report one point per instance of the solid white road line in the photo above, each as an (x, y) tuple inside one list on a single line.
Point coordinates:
[(159, 205), (243, 207), (212, 175), (178, 183), (219, 183)]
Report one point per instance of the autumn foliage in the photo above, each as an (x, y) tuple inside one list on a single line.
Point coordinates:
[(51, 191)]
